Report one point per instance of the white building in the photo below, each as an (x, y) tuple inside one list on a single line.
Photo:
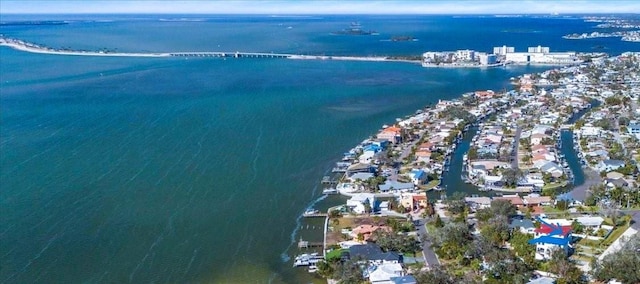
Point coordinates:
[(466, 55), (384, 272), (503, 50), (487, 59), (538, 49), (357, 202)]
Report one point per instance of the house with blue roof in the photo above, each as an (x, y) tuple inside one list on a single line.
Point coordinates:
[(550, 237), (634, 129), (418, 176)]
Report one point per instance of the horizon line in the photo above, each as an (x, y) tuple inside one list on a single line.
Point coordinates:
[(315, 14)]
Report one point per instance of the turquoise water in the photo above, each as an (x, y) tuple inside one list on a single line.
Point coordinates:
[(174, 170)]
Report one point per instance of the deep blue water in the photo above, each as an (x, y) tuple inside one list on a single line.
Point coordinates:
[(181, 170)]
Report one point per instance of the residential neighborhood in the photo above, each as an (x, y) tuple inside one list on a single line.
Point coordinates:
[(555, 163)]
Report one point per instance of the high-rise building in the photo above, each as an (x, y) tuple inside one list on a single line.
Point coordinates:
[(503, 50)]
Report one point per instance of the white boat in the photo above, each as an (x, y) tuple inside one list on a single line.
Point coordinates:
[(311, 211), (312, 269), (306, 259), (329, 191)]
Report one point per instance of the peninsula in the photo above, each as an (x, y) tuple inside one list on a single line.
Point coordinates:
[(518, 147)]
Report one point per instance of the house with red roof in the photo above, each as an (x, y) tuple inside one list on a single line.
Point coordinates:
[(550, 237)]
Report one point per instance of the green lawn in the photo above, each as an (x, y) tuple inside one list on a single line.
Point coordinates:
[(431, 184), (336, 253), (554, 185), (551, 209), (617, 232)]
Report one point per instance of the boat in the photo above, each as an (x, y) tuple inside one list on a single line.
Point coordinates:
[(307, 259), (310, 211), (312, 269), (355, 29), (329, 191), (402, 38)]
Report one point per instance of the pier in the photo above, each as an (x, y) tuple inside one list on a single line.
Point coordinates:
[(315, 215)]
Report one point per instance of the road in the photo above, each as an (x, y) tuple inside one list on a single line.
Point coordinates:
[(430, 257), (516, 145)]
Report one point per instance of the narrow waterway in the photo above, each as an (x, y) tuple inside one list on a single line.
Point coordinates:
[(451, 180), (578, 191), (570, 154)]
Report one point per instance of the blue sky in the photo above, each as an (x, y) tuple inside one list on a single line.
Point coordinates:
[(322, 6)]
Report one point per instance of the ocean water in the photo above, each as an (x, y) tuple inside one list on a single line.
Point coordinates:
[(174, 170)]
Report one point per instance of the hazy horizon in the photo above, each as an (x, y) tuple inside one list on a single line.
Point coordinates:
[(315, 7)]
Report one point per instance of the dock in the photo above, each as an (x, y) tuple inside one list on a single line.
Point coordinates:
[(315, 215), (308, 244)]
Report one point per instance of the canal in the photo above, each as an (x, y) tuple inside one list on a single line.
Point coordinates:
[(451, 180)]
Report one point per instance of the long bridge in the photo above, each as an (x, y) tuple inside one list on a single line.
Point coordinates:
[(233, 54), (34, 48)]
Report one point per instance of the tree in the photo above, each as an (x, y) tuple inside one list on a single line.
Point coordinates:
[(511, 176), (452, 240), (456, 207), (503, 207), (562, 205), (484, 214), (349, 272), (436, 274), (325, 269), (623, 265), (520, 244), (335, 213), (438, 222), (473, 153), (567, 272), (577, 227), (496, 230)]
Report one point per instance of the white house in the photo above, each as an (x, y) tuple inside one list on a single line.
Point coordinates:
[(357, 202), (590, 222), (382, 274), (417, 176), (609, 165), (550, 237), (590, 131)]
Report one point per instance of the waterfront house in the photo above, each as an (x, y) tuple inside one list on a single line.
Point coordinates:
[(418, 176), (549, 237), (477, 203), (382, 273), (533, 200), (537, 138), (552, 168), (413, 201), (590, 131), (359, 201), (360, 176), (392, 134), (373, 254), (395, 186), (534, 179), (360, 168), (610, 165), (423, 156)]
